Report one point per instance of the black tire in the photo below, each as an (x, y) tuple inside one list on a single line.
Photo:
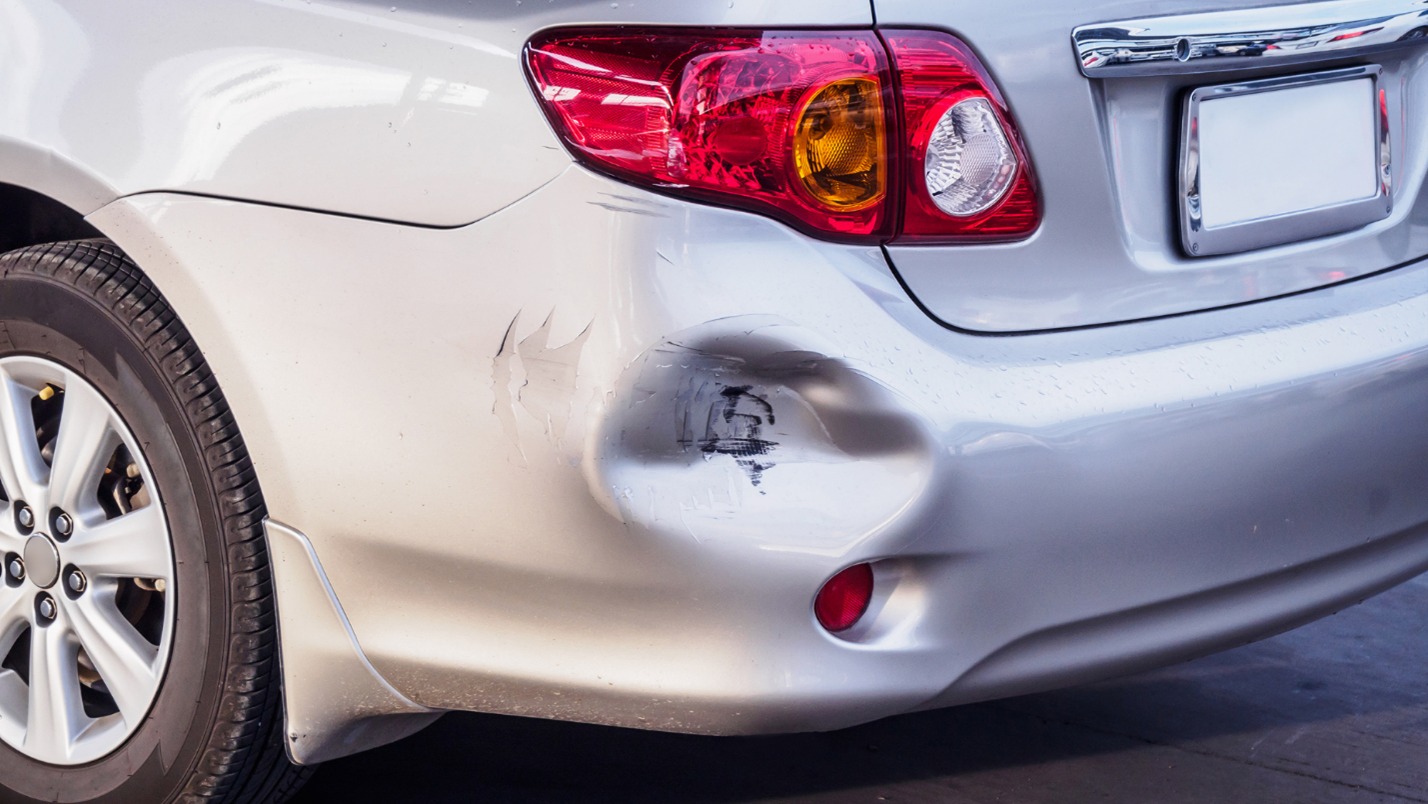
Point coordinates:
[(214, 732)]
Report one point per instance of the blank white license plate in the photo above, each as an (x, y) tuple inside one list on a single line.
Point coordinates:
[(1283, 159)]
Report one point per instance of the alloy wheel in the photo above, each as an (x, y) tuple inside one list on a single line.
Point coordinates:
[(86, 606)]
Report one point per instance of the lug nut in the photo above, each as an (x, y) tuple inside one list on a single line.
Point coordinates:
[(46, 608), (25, 517), (64, 526), (76, 581), (17, 569)]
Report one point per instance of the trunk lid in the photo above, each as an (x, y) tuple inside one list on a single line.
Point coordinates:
[(1107, 156)]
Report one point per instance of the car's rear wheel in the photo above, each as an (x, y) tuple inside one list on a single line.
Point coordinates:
[(137, 636)]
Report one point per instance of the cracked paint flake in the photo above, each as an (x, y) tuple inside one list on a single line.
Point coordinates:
[(544, 378), (502, 405)]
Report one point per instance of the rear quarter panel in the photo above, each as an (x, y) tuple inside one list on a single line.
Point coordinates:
[(416, 113)]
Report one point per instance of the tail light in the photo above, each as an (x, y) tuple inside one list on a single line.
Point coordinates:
[(966, 172), (802, 126), (789, 124)]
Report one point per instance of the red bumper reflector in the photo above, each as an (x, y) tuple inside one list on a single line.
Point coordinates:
[(844, 598)]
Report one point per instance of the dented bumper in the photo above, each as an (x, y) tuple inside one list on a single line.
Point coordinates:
[(613, 467)]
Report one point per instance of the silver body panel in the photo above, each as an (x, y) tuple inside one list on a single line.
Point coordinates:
[(335, 702), (419, 114), (480, 424), (555, 550)]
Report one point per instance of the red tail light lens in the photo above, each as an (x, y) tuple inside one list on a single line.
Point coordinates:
[(844, 598), (788, 123), (802, 126), (959, 135)]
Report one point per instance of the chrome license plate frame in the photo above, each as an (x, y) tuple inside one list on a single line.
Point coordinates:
[(1281, 226)]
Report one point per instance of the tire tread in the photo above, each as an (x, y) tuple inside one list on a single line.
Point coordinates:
[(245, 759)]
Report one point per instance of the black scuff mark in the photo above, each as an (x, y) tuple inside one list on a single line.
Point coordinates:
[(735, 426)]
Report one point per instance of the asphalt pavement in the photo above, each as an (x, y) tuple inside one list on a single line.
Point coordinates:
[(1334, 711)]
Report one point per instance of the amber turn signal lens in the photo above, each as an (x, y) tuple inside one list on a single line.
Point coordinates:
[(840, 145)]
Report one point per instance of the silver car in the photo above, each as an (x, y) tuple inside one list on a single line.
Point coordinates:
[(718, 366)]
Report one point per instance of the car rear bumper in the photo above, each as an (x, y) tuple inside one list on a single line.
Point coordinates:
[(602, 477)]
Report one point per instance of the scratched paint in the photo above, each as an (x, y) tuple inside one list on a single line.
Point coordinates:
[(530, 375)]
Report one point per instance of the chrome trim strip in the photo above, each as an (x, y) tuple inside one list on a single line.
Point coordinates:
[(1224, 40), (1200, 241)]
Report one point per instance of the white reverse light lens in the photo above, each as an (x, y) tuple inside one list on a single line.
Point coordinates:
[(969, 164)]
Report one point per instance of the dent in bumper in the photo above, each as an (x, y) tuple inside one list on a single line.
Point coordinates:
[(744, 430)]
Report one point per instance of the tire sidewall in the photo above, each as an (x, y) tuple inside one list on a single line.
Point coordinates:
[(46, 318)]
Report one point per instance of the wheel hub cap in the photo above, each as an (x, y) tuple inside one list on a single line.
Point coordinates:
[(80, 663), (42, 561)]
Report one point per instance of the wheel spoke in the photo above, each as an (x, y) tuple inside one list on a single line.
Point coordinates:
[(121, 656), (13, 694), (55, 710), (86, 440), (22, 470), (133, 545), (14, 616)]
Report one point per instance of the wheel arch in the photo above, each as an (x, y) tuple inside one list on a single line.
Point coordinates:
[(43, 200), (46, 173), (30, 218), (323, 720)]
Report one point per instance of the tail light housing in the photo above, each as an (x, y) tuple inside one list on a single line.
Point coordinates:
[(856, 136), (959, 128), (786, 123)]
